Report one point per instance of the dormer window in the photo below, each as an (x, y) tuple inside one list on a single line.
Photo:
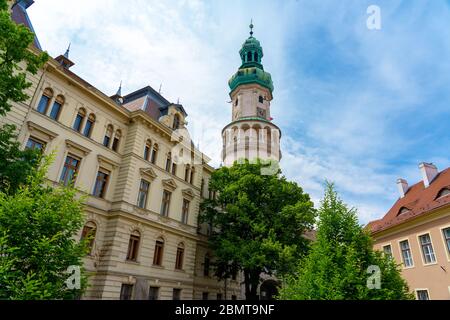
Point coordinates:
[(403, 210), (443, 192)]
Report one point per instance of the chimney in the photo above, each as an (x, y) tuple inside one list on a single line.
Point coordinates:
[(429, 172), (402, 186)]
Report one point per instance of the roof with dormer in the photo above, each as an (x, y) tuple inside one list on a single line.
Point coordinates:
[(418, 201), (150, 101)]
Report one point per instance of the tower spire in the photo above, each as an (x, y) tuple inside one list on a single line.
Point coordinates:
[(251, 27), (67, 51), (119, 91)]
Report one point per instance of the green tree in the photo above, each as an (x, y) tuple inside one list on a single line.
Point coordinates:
[(38, 225), (16, 60), (258, 222), (15, 41), (337, 265)]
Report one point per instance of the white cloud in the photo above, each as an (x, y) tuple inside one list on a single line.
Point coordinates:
[(337, 125)]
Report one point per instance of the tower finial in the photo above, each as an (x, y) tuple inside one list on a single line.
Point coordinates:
[(251, 27), (119, 91), (67, 51)]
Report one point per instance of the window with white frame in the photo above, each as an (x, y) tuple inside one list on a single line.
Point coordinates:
[(406, 253), (422, 294), (446, 233), (427, 249)]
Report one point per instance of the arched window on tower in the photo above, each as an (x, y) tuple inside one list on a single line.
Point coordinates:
[(249, 56), (256, 57)]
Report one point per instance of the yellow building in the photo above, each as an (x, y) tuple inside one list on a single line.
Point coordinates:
[(144, 187), (416, 233)]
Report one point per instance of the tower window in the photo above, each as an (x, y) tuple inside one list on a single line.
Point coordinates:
[(249, 56), (256, 56), (261, 99)]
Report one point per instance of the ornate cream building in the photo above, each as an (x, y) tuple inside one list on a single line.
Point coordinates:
[(124, 152)]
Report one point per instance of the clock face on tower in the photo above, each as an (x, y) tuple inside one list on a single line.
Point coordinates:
[(261, 113)]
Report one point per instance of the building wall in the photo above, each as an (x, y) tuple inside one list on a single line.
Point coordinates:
[(434, 277), (116, 215)]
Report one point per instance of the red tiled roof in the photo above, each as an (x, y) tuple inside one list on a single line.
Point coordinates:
[(418, 199)]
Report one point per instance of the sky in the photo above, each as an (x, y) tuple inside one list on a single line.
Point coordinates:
[(358, 107)]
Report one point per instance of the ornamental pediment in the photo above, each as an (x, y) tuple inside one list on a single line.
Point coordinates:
[(169, 184), (149, 173)]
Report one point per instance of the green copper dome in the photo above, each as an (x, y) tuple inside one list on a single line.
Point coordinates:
[(251, 69)]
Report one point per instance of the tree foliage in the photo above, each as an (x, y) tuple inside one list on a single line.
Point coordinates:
[(38, 224), (16, 60), (258, 222), (337, 265), (15, 41)]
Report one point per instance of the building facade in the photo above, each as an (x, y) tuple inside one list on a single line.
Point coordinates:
[(251, 134), (416, 233), (143, 177)]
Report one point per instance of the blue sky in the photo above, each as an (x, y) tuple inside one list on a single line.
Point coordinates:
[(356, 106)]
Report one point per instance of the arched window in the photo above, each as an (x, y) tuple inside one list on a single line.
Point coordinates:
[(256, 57), (191, 179), (176, 122), (180, 256), (247, 147), (261, 99), (443, 192), (89, 231), (89, 125), (116, 141), (159, 250), (206, 264), (133, 246), (108, 134), (56, 108), (45, 101), (249, 56), (237, 102), (269, 141), (79, 119), (147, 149), (154, 153), (187, 173), (168, 161)]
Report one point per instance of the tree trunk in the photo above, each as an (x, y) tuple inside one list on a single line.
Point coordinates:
[(251, 280)]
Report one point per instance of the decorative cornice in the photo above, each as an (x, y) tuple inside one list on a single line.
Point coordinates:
[(34, 126), (188, 193), (148, 173), (169, 184), (103, 159), (73, 145)]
